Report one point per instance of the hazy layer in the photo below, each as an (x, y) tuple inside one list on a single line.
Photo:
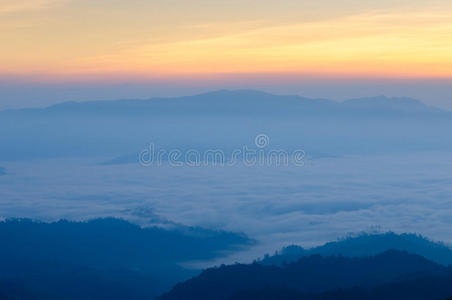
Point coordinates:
[(325, 199)]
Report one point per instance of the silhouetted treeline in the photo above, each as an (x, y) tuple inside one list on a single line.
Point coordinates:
[(114, 259), (100, 259), (390, 275), (367, 245)]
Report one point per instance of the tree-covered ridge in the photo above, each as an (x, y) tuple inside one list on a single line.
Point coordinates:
[(102, 258), (390, 275), (114, 259), (366, 244), (102, 241)]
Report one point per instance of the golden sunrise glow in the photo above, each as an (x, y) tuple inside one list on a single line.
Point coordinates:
[(72, 37)]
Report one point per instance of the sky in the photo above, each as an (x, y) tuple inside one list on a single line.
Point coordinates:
[(60, 50)]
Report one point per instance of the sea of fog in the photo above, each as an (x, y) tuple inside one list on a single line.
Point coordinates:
[(325, 199)]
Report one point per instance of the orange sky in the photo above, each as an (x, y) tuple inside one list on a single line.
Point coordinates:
[(58, 38)]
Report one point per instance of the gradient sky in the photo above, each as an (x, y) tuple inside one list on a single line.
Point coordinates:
[(101, 46)]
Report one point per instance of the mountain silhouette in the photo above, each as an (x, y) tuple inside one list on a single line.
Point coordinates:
[(380, 104), (119, 130), (238, 102), (366, 245), (114, 259), (316, 277), (102, 258), (421, 288)]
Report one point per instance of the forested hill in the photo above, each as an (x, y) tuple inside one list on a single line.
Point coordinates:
[(101, 258), (389, 275), (365, 244)]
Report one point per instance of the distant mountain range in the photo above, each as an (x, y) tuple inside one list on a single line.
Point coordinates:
[(226, 120), (241, 102)]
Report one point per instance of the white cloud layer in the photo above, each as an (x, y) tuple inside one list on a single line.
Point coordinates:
[(325, 199)]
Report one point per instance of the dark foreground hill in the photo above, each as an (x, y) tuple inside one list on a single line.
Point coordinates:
[(101, 259), (390, 275), (366, 245)]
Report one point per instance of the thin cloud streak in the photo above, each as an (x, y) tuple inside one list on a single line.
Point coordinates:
[(372, 45)]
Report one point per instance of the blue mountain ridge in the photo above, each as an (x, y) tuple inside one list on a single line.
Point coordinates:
[(366, 244), (240, 102)]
